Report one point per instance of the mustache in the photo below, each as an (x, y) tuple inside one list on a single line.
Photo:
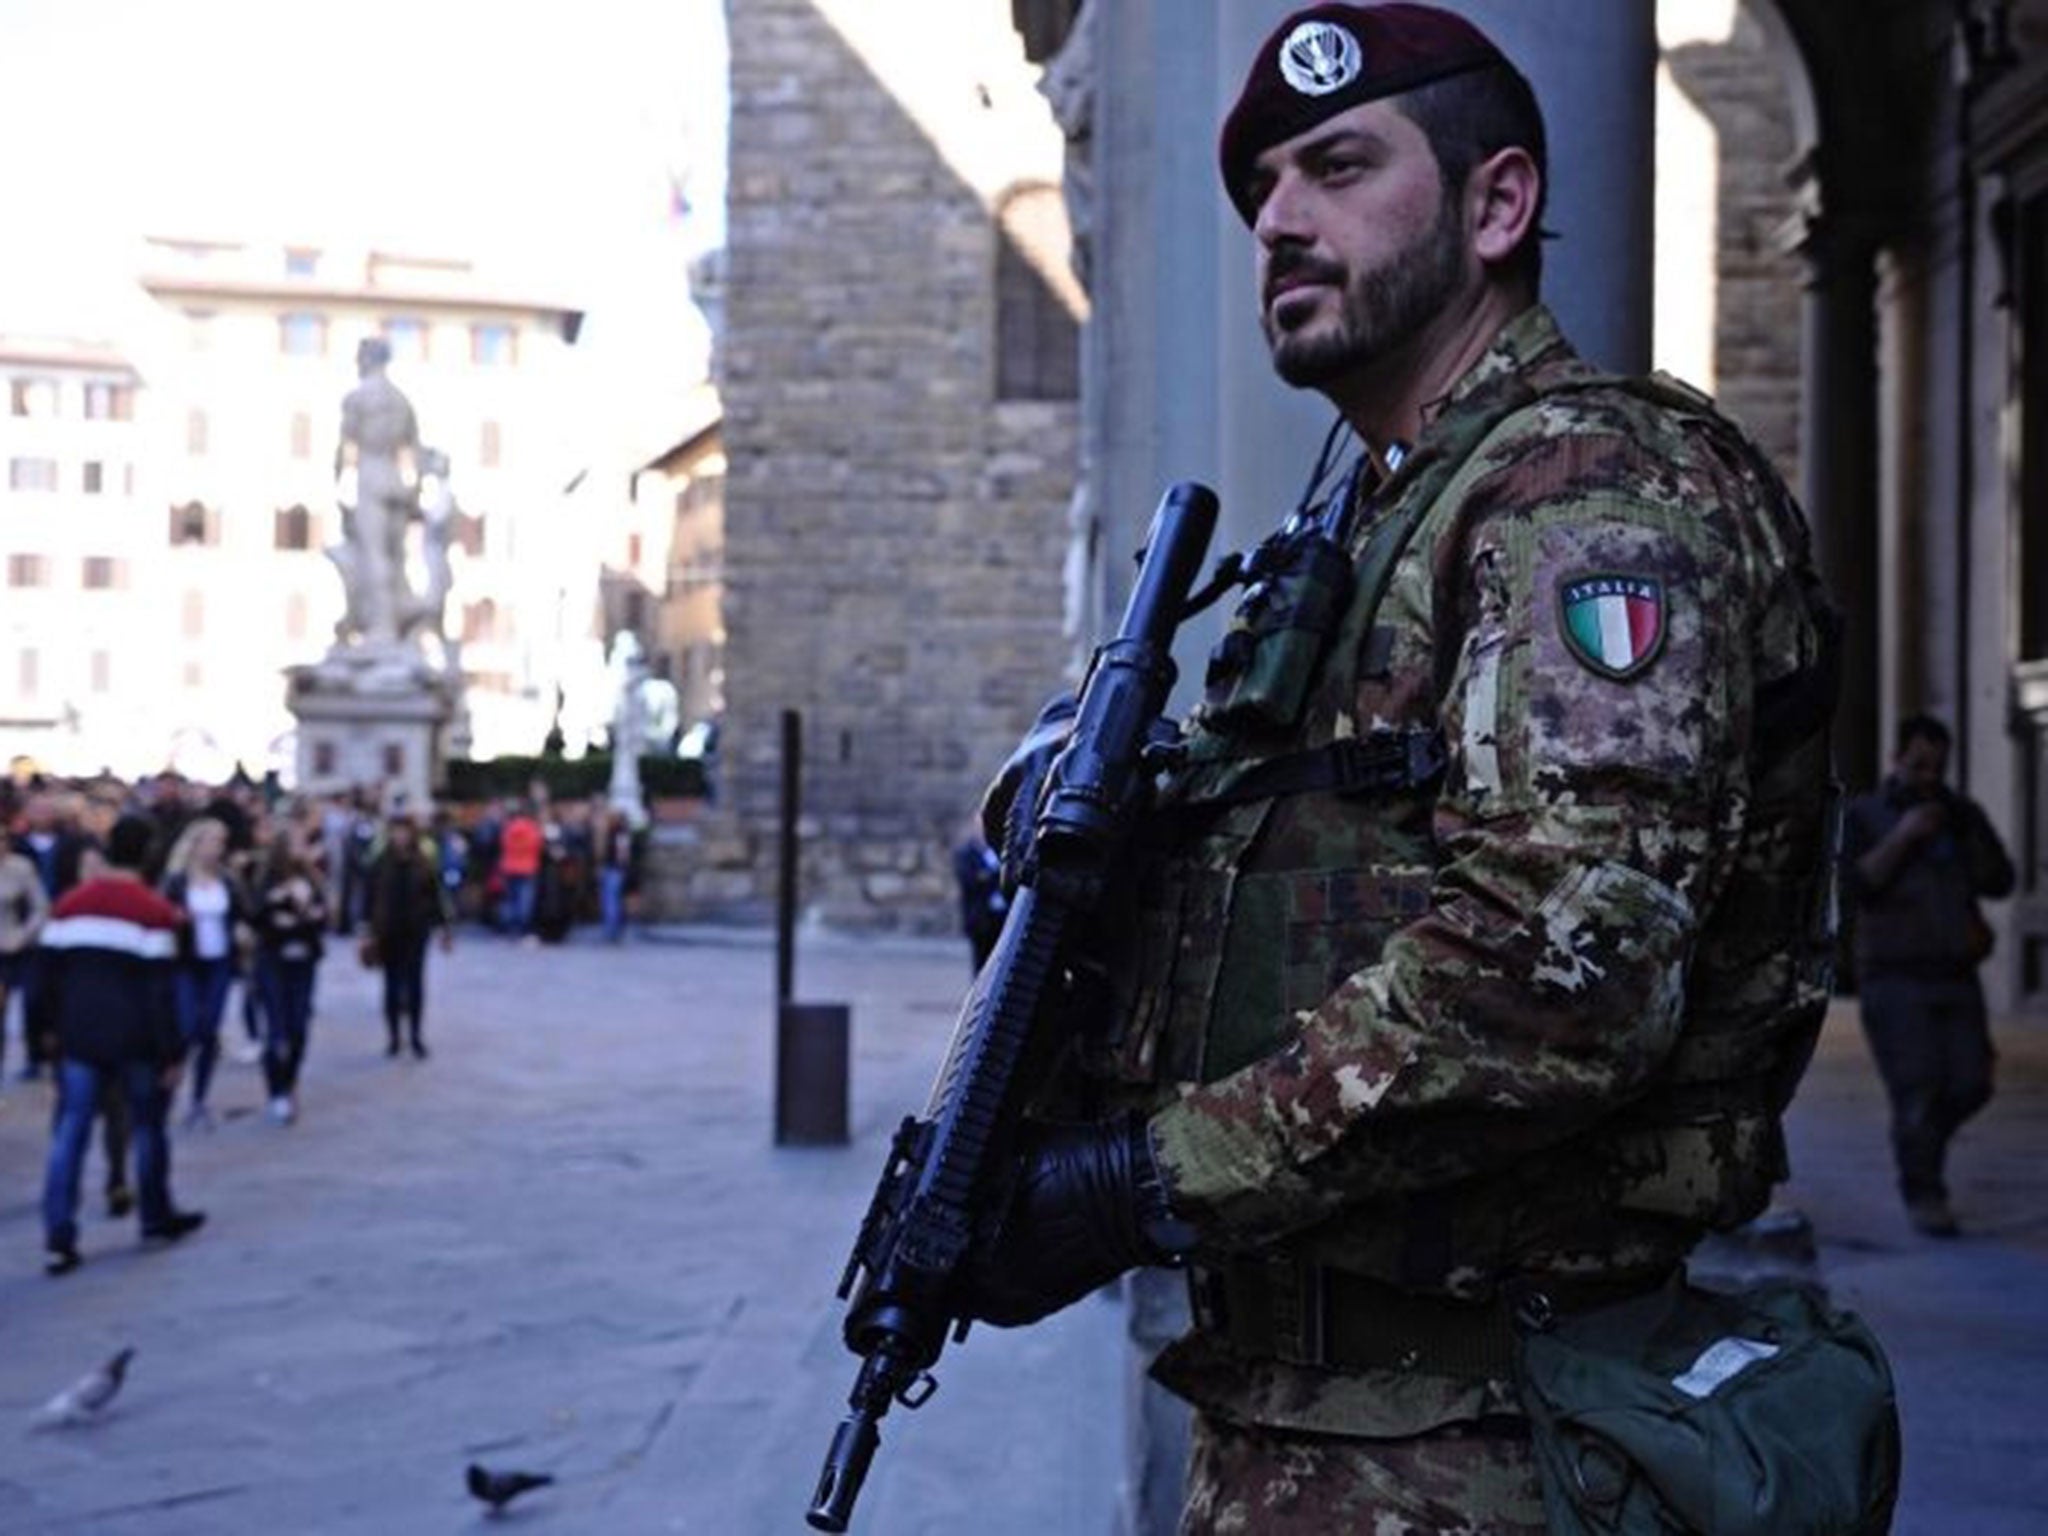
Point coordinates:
[(1290, 263)]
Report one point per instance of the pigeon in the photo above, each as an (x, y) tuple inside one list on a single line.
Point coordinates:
[(498, 1489), (86, 1398)]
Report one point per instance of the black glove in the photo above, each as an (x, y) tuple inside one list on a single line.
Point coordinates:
[(1086, 1204), (1009, 807)]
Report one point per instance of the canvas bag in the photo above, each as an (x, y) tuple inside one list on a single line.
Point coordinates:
[(1760, 1412)]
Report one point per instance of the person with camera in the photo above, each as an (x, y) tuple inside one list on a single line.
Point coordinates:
[(1917, 859)]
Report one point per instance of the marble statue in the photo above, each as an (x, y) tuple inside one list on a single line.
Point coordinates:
[(376, 467), (629, 725)]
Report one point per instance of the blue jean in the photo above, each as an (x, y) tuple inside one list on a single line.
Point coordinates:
[(1932, 1043), (202, 997), (78, 1093), (520, 891), (287, 987), (611, 902)]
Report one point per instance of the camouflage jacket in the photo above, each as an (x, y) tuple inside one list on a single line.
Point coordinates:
[(1472, 1029)]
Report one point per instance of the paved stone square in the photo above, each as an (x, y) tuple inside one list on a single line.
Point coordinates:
[(565, 1243)]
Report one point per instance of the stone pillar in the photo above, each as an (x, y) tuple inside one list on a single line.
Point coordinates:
[(1840, 459)]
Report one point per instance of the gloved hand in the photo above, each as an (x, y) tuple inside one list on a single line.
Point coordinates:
[(1009, 807), (1087, 1203)]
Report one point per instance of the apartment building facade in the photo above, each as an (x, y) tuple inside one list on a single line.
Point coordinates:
[(170, 497)]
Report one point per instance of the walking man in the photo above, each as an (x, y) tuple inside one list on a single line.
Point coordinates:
[(110, 947), (1917, 859)]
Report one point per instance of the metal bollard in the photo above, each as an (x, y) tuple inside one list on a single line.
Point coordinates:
[(811, 1051)]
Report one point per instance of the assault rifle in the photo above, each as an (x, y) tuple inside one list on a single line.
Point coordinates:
[(934, 1187)]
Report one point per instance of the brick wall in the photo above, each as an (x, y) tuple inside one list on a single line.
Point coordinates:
[(893, 533)]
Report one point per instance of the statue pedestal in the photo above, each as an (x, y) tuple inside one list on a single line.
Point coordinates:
[(375, 717)]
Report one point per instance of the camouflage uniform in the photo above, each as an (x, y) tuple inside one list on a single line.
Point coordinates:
[(1531, 1021)]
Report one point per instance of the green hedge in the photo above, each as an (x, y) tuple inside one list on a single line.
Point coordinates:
[(583, 778)]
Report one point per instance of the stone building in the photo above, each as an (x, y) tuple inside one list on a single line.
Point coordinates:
[(899, 377)]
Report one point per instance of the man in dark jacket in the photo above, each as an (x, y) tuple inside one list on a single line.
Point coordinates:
[(1917, 858), (110, 949)]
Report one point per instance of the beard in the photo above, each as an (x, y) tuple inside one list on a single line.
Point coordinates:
[(1380, 312)]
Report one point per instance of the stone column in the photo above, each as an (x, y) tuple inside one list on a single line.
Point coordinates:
[(1839, 454)]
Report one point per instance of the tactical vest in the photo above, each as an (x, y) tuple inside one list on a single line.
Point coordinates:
[(1240, 934)]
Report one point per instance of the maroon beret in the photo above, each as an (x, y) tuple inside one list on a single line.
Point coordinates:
[(1327, 59)]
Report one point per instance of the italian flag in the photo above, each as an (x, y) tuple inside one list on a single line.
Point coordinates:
[(1615, 622)]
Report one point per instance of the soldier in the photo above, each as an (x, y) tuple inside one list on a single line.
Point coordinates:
[(1487, 930)]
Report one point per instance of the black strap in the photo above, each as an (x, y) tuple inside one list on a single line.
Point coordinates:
[(1383, 763), (1793, 709)]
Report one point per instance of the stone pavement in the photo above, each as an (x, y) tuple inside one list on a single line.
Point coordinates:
[(567, 1243)]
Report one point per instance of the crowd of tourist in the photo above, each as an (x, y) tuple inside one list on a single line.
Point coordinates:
[(132, 915)]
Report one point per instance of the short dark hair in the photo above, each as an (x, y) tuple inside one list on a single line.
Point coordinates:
[(1922, 728), (1472, 116), (131, 842)]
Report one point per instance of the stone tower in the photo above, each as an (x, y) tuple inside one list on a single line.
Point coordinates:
[(899, 377)]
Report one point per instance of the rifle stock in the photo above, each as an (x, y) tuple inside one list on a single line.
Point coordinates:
[(900, 1280)]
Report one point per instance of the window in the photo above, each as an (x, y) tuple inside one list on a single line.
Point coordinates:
[(27, 571), (94, 478), (32, 474), (33, 397), (199, 329), (194, 523), (1038, 338), (28, 673), (195, 675), (195, 431), (488, 446), (109, 402), (103, 573), (394, 760), (469, 534), (302, 435), (480, 620), (493, 346), (301, 263), (295, 616), (102, 672), (302, 335), (192, 615), (408, 339), (292, 528), (323, 758), (127, 479)]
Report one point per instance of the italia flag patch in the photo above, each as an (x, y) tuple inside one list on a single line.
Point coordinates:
[(1614, 624)]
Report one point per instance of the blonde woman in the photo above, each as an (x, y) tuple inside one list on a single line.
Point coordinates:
[(197, 882)]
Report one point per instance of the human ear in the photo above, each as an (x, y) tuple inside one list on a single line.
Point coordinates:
[(1501, 197)]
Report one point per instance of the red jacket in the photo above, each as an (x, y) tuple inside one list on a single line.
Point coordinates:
[(111, 947), (519, 847)]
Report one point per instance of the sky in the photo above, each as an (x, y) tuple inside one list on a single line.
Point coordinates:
[(545, 141)]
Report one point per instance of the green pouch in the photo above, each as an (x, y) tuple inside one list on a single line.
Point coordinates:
[(1761, 1412), (1259, 675)]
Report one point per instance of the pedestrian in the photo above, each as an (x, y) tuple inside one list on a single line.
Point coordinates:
[(618, 873), (198, 884), (1917, 857), (111, 945), (521, 844), (977, 873), (407, 907), (24, 906), (291, 914), (1483, 925), (51, 839)]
